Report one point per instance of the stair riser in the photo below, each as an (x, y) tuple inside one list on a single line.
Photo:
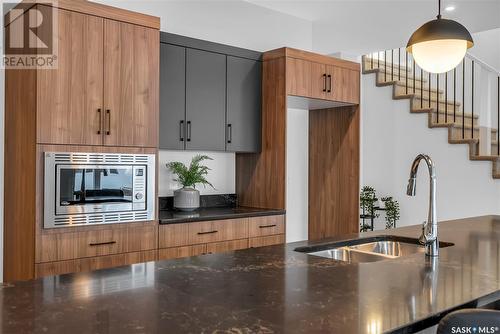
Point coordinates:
[(382, 77), (442, 106), (456, 133), (402, 87), (401, 91)]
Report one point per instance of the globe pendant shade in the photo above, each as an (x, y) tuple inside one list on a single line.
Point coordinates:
[(439, 56), (439, 45)]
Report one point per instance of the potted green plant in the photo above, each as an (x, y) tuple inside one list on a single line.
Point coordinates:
[(187, 198), (367, 200), (391, 212)]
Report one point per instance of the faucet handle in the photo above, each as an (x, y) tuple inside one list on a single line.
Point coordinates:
[(422, 239)]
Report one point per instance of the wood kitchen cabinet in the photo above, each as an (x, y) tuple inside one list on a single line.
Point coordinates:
[(210, 96), (329, 88), (105, 89), (207, 237), (70, 98), (131, 77), (107, 59), (312, 78)]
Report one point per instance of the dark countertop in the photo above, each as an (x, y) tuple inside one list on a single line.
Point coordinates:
[(268, 289), (203, 214)]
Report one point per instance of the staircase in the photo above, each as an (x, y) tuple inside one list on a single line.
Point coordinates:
[(442, 97)]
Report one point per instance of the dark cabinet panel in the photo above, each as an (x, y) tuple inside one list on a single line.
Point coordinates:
[(172, 97), (243, 128), (205, 100)]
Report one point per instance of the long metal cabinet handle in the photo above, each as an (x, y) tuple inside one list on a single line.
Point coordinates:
[(102, 243), (100, 121), (267, 226), (181, 130), (209, 232), (108, 113), (229, 133), (324, 82), (330, 83), (188, 131)]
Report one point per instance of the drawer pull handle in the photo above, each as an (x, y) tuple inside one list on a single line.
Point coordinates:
[(210, 232), (267, 226), (102, 243)]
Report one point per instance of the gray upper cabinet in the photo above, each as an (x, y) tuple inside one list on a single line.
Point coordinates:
[(210, 96), (172, 97), (205, 100), (243, 128)]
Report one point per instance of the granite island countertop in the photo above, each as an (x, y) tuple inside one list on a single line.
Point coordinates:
[(268, 290)]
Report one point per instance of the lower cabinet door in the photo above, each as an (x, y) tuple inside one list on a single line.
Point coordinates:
[(266, 241), (178, 252), (227, 246), (93, 263)]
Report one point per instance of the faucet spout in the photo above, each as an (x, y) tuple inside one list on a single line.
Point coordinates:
[(429, 236)]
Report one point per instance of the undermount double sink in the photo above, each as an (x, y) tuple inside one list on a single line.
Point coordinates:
[(371, 249)]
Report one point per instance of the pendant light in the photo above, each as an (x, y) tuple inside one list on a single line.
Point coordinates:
[(439, 45)]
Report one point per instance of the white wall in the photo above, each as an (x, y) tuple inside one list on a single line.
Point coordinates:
[(222, 174), (297, 174), (392, 137), (232, 22), (487, 47)]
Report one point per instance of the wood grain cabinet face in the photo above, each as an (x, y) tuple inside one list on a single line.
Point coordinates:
[(266, 241), (269, 225), (131, 77), (69, 98), (343, 85), (105, 89), (226, 246), (75, 245), (306, 78)]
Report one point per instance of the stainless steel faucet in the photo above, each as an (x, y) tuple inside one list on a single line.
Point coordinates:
[(429, 237)]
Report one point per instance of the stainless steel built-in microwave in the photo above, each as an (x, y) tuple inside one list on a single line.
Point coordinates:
[(98, 188)]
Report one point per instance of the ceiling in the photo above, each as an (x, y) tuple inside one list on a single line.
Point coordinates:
[(367, 25)]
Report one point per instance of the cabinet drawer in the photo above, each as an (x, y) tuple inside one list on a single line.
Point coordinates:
[(175, 235), (217, 230), (74, 245), (266, 241), (263, 226), (226, 246), (178, 252)]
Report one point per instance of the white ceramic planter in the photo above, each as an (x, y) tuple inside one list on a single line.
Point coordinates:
[(187, 199)]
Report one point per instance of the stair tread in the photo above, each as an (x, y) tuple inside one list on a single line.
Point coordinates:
[(400, 77)]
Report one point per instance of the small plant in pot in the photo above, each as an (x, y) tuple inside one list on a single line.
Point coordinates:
[(188, 198), (392, 212)]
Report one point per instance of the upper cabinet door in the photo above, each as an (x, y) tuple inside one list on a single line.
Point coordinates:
[(205, 100), (306, 78), (343, 84), (243, 128), (172, 97), (69, 101), (131, 84)]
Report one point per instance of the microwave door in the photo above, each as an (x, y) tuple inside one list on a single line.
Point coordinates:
[(85, 189)]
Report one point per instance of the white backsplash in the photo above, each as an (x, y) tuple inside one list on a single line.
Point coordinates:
[(222, 175)]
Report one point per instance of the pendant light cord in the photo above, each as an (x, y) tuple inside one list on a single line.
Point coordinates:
[(439, 9)]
